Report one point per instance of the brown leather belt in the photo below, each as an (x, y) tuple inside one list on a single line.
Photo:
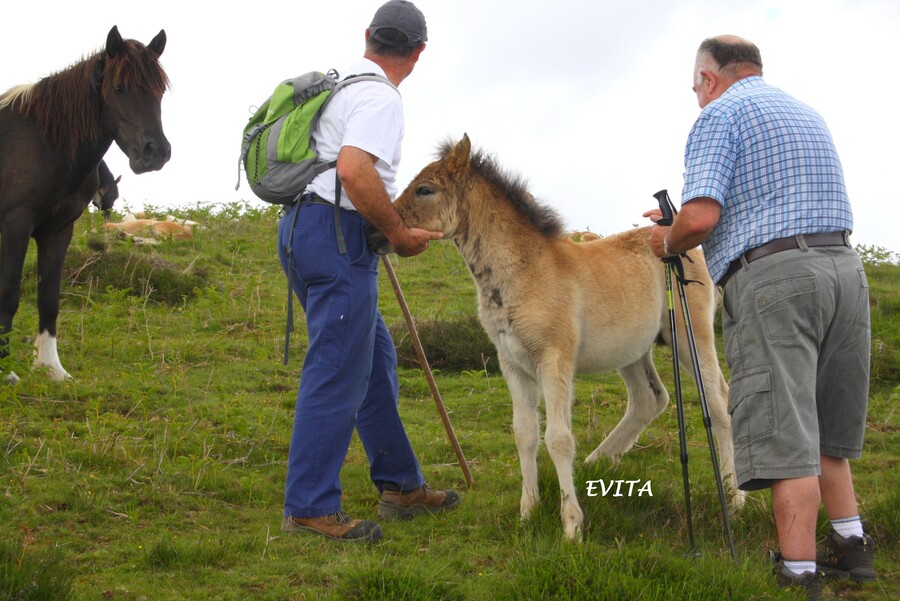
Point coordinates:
[(780, 244)]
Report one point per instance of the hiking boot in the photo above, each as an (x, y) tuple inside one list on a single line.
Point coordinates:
[(811, 582), (396, 505), (851, 557), (336, 526)]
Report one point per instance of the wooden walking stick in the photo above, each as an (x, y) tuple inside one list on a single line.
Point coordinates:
[(423, 361)]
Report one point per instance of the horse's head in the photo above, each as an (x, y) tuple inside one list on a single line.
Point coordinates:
[(132, 84), (431, 199), (108, 191)]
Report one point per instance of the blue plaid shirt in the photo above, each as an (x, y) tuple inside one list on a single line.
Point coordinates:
[(769, 160)]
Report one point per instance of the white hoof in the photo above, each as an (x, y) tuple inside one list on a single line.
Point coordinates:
[(46, 356)]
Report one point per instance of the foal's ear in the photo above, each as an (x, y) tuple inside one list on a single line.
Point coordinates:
[(114, 44), (158, 44), (459, 156)]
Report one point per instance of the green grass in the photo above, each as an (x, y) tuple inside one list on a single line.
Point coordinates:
[(158, 472)]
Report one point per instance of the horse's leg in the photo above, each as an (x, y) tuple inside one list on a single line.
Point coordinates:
[(13, 247), (713, 383), (647, 398), (51, 254), (556, 373), (525, 394)]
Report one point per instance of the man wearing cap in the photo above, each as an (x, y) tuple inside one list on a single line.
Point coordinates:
[(349, 377)]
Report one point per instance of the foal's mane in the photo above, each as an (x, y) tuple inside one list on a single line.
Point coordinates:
[(67, 103), (514, 190)]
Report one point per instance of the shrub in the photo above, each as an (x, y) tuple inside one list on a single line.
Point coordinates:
[(450, 345), (137, 272)]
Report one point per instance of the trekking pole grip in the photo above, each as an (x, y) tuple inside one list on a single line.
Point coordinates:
[(666, 207)]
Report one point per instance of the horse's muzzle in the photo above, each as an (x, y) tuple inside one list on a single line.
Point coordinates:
[(377, 241), (151, 156)]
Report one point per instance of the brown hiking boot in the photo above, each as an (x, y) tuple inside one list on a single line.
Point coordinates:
[(396, 505), (811, 582), (852, 557), (336, 526)]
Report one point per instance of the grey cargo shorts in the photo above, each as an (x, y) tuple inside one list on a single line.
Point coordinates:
[(797, 341)]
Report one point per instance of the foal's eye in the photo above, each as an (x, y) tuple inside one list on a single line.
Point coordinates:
[(424, 191)]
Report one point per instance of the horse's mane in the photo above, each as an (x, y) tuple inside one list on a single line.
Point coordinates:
[(67, 103), (514, 189)]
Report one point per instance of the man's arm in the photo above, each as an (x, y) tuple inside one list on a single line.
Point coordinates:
[(356, 170), (693, 224)]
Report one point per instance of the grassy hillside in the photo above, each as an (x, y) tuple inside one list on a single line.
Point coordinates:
[(158, 472)]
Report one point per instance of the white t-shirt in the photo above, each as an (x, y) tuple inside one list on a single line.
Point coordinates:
[(367, 115)]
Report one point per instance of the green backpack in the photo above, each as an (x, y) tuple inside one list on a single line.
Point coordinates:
[(278, 152)]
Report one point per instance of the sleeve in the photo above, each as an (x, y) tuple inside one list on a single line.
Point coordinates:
[(375, 124), (710, 157)]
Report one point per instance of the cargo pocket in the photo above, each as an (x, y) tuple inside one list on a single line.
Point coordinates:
[(862, 311), (752, 411), (335, 331), (787, 306)]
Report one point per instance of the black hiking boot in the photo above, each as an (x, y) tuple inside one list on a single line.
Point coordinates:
[(851, 557), (811, 582)]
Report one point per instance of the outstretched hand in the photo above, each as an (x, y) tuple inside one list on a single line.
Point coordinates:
[(413, 241)]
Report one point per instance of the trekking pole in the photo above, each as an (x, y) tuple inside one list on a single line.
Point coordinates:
[(423, 361), (668, 213), (666, 220)]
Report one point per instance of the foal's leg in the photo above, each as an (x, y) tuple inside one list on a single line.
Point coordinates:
[(525, 394), (51, 254), (13, 247), (556, 373), (647, 398)]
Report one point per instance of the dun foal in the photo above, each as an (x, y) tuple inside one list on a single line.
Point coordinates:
[(554, 307)]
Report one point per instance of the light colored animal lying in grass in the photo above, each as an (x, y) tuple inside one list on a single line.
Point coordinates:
[(150, 231)]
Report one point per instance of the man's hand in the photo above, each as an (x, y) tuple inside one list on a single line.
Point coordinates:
[(413, 241), (692, 225), (356, 169)]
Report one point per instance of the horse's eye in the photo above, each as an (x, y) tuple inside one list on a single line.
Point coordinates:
[(118, 90), (424, 191)]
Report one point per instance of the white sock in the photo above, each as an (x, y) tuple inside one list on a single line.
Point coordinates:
[(799, 567), (848, 527)]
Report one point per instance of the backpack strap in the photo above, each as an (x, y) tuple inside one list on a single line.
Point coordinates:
[(339, 231), (289, 251), (338, 228)]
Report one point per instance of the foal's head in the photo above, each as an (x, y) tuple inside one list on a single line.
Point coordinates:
[(444, 193)]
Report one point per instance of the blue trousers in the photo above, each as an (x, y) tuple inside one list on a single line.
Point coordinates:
[(349, 377)]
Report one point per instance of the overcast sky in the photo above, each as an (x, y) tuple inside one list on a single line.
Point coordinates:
[(589, 100)]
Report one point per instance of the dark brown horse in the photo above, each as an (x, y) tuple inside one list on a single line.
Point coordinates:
[(53, 135)]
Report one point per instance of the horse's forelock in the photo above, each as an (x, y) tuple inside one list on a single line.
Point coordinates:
[(136, 67)]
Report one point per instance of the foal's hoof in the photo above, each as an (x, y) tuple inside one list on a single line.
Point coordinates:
[(11, 378)]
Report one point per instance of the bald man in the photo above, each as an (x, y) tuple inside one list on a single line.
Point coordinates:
[(764, 192)]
